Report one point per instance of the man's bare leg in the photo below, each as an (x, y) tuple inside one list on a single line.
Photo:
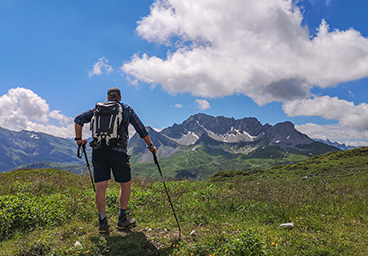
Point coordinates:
[(124, 194), (100, 196)]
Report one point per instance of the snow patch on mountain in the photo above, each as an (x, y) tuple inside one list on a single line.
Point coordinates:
[(186, 139), (231, 136)]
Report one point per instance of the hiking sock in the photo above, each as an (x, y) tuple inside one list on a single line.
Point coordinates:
[(122, 213), (102, 215)]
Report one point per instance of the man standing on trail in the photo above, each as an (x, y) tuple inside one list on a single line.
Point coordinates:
[(113, 157)]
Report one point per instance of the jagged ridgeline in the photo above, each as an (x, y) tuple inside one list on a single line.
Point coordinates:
[(197, 148)]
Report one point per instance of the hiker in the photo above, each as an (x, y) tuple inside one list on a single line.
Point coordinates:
[(111, 155)]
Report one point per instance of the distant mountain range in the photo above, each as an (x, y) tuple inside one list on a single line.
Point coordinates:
[(215, 140), (25, 147), (203, 145), (241, 136), (340, 146)]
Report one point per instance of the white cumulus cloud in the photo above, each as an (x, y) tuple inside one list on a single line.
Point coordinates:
[(22, 109), (178, 105), (202, 104), (256, 48), (347, 113), (100, 67), (335, 132)]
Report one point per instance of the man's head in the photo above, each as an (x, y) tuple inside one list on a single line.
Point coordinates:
[(113, 94)]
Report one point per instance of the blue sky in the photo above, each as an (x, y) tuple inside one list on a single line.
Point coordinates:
[(299, 61)]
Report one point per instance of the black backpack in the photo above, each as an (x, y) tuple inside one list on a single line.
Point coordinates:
[(106, 124)]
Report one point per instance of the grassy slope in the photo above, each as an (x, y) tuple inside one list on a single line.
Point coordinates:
[(235, 214), (204, 161), (76, 169), (333, 167)]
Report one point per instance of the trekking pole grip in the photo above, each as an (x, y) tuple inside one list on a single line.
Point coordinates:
[(79, 153)]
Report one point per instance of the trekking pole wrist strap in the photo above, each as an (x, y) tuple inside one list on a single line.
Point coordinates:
[(151, 146), (78, 138)]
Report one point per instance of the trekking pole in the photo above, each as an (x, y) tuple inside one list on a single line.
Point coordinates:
[(89, 168), (167, 193)]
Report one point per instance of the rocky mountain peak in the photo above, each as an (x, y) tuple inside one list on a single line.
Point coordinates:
[(232, 130), (219, 128)]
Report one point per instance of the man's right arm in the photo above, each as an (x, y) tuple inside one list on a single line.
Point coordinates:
[(79, 121), (78, 135)]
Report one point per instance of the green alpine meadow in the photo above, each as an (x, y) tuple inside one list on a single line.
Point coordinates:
[(314, 207)]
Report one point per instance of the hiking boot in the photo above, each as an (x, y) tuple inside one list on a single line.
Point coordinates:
[(103, 226), (124, 223)]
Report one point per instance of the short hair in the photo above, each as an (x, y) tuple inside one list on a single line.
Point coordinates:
[(113, 93)]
